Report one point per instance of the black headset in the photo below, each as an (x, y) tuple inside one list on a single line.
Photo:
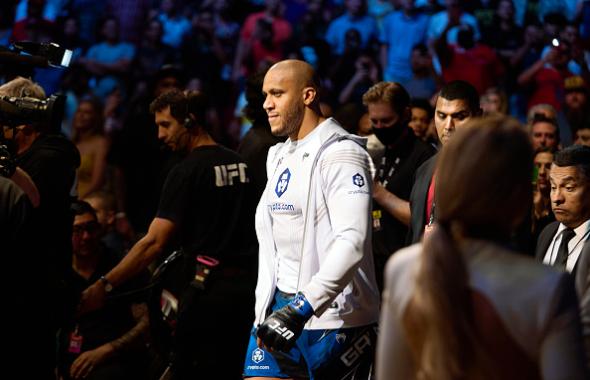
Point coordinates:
[(189, 122)]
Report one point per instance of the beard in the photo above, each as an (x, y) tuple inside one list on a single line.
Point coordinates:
[(181, 142), (291, 120)]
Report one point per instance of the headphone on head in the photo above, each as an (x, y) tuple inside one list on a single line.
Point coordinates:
[(189, 122)]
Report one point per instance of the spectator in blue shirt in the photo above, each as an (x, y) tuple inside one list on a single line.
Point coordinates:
[(354, 18), (402, 30)]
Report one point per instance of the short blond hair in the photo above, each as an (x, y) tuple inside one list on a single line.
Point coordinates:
[(22, 87), (391, 93)]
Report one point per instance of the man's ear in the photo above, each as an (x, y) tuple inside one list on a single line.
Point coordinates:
[(309, 95)]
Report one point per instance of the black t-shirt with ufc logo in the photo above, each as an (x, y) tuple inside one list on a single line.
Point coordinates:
[(210, 199)]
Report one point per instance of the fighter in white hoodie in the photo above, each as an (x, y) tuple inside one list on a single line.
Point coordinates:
[(317, 302)]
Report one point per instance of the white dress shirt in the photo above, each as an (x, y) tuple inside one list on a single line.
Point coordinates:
[(574, 247)]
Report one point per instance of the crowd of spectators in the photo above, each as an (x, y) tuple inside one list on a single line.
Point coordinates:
[(525, 50), (529, 59)]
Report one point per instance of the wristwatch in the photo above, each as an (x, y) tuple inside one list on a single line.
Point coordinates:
[(108, 287)]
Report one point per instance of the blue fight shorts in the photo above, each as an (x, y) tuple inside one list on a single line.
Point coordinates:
[(345, 353)]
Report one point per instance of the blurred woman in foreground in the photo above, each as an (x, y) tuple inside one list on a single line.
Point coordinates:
[(460, 305)]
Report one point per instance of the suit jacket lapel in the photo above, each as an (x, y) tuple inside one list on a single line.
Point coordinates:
[(582, 268), (545, 239), (419, 208)]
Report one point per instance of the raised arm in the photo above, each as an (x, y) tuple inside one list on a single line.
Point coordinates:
[(139, 257)]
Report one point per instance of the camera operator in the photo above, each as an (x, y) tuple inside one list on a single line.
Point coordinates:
[(8, 169), (15, 212), (51, 161)]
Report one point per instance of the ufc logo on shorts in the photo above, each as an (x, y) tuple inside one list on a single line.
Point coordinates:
[(283, 331), (351, 355), (225, 174)]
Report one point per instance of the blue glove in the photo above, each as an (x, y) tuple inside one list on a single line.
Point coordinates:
[(283, 327)]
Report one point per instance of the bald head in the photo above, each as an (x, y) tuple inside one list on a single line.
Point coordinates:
[(291, 101), (301, 72)]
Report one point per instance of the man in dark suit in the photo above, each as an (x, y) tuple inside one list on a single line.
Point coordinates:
[(583, 290), (457, 103), (562, 243)]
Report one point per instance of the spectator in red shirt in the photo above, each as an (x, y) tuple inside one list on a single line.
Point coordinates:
[(249, 37), (545, 78), (34, 27), (264, 48), (469, 61)]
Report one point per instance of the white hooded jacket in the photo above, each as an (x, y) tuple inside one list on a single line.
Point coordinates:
[(336, 272)]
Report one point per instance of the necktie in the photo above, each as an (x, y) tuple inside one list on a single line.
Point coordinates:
[(563, 252)]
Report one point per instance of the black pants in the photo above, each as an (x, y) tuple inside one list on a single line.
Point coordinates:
[(213, 327)]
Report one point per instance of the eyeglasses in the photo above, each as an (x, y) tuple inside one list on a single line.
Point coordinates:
[(90, 227)]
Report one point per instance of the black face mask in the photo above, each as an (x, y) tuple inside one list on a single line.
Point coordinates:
[(389, 135)]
